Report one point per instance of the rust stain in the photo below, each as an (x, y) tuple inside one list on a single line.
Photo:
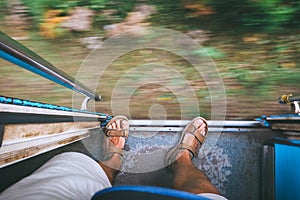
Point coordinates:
[(21, 131), (30, 151)]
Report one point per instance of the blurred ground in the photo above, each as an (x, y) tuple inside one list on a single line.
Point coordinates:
[(256, 69)]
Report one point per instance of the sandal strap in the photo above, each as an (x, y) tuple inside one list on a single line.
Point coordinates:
[(200, 138), (122, 132), (187, 147), (193, 149), (193, 130), (112, 150), (117, 132)]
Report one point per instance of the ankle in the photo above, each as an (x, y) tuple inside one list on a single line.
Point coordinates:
[(111, 173), (183, 157), (114, 161), (112, 166)]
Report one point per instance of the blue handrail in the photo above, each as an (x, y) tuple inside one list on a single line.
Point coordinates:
[(18, 54)]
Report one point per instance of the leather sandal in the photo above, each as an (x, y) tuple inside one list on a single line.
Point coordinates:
[(108, 148), (189, 131)]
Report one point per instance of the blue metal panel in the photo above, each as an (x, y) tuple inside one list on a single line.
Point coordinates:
[(287, 171)]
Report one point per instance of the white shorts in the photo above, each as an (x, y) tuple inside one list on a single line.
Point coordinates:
[(66, 176)]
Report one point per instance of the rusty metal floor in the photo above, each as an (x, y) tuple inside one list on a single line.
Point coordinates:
[(233, 164)]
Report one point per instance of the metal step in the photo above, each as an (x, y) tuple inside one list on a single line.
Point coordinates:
[(178, 125)]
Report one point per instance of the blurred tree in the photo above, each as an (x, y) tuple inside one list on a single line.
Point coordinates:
[(3, 8), (266, 15)]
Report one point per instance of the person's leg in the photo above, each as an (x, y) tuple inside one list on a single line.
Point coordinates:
[(187, 177), (113, 164), (73, 175), (69, 175)]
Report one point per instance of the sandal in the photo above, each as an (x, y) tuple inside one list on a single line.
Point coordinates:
[(108, 147), (189, 130)]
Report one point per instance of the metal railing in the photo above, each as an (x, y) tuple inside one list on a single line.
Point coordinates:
[(18, 54), (293, 101)]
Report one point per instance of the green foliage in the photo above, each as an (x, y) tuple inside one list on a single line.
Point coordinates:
[(211, 52), (97, 4), (3, 8), (121, 6), (275, 14), (263, 79), (170, 14), (266, 15), (37, 8)]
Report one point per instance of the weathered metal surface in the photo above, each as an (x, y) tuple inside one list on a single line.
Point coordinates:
[(16, 151), (15, 133), (15, 114), (268, 164), (182, 123), (1, 133), (178, 125), (233, 164), (24, 141), (176, 129), (290, 117), (286, 126)]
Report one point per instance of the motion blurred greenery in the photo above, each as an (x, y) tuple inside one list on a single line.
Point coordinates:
[(266, 15), (254, 43)]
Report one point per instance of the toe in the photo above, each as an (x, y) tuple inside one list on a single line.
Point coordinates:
[(118, 124), (197, 123), (125, 124), (114, 126), (202, 129)]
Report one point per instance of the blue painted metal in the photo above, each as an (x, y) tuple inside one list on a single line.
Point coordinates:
[(263, 121), (286, 118), (22, 102), (274, 117), (287, 171), (18, 54)]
